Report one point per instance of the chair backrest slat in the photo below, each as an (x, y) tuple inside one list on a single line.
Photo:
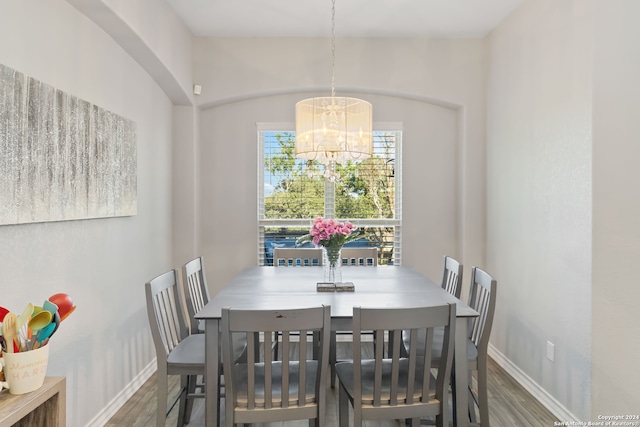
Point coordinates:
[(412, 368), (168, 315), (394, 353), (286, 350), (268, 369), (357, 353), (302, 368), (379, 354)]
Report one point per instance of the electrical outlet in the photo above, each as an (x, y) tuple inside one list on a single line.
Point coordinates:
[(551, 351)]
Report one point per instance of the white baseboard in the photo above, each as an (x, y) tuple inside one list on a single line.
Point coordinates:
[(121, 398), (543, 396)]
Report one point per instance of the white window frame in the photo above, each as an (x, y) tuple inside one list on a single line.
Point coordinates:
[(329, 205)]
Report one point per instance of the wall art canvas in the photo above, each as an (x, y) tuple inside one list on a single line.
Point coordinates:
[(61, 158)]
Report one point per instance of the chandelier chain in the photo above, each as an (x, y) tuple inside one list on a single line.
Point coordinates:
[(333, 131), (333, 48)]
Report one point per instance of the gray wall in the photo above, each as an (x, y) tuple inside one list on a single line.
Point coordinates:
[(102, 263)]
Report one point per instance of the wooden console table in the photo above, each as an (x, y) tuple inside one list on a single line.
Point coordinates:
[(44, 407)]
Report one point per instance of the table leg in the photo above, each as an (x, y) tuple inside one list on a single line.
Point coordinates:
[(211, 329), (461, 397)]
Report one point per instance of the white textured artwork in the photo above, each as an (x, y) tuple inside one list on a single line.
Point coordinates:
[(61, 158)]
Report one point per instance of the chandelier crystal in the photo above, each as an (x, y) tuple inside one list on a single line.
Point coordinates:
[(333, 129)]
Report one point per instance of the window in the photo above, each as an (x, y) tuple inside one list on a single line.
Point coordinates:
[(293, 192)]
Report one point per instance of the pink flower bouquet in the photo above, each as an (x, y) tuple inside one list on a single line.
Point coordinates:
[(331, 235)]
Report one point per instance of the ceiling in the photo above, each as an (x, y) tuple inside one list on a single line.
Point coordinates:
[(354, 18)]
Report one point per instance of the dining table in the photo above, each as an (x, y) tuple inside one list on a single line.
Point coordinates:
[(266, 287)]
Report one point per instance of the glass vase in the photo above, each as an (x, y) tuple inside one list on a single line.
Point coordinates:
[(332, 263)]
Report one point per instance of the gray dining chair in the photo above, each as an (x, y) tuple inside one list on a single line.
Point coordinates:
[(297, 257), (310, 257), (196, 291), (482, 298), (451, 282), (196, 295), (177, 351), (360, 257), (452, 276), (391, 386), (266, 390), (363, 257)]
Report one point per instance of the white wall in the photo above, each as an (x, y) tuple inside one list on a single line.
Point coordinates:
[(539, 194), (186, 184), (616, 209), (153, 35), (102, 263), (435, 87)]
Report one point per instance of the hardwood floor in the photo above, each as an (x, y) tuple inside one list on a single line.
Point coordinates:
[(510, 406)]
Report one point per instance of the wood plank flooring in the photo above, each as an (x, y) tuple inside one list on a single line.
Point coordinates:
[(510, 406)]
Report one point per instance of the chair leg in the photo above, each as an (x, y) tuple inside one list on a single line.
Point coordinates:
[(454, 400), (357, 417), (343, 408), (162, 387), (221, 394), (444, 417), (184, 390), (192, 382), (333, 357), (483, 399), (228, 409), (357, 410), (471, 399)]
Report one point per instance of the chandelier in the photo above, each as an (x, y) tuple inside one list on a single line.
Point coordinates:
[(333, 129)]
